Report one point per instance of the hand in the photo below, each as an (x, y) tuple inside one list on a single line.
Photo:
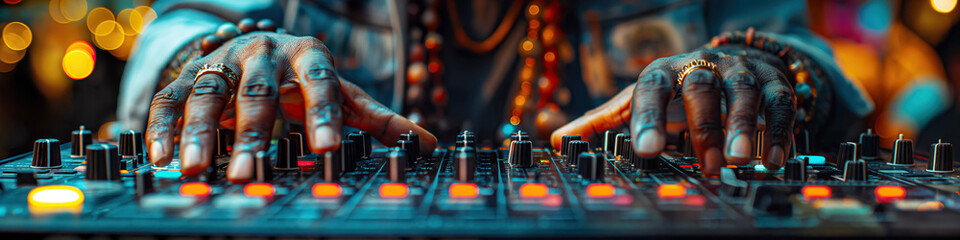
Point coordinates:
[(296, 73), (753, 82)]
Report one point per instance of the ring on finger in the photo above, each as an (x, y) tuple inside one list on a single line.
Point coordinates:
[(693, 66), (221, 70)]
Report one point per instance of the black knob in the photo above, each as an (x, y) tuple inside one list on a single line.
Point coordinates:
[(869, 145), (591, 166), (609, 140), (332, 161), (519, 136), (350, 153), (847, 152), (26, 178), (564, 144), (357, 138), (46, 153), (465, 164), (296, 145), (286, 154), (574, 148), (942, 159), (687, 145), (646, 164), (795, 170), (855, 170), (144, 183), (131, 143), (521, 154), (902, 152), (414, 151), (618, 145), (626, 154), (366, 145), (408, 147), (224, 141), (262, 169), (397, 164), (103, 162), (79, 139)]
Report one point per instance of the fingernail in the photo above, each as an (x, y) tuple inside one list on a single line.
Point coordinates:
[(713, 162), (156, 152), (239, 169), (325, 138), (191, 156), (651, 142), (740, 146), (776, 155)]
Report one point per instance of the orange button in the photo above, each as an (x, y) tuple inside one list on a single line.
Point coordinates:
[(327, 190), (671, 191), (600, 190), (195, 189), (463, 190), (259, 190), (533, 190), (394, 190), (888, 193), (816, 191)]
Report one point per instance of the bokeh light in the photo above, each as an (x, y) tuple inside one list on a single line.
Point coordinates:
[(127, 18), (17, 36), (114, 37), (55, 12), (77, 64), (10, 56), (73, 10), (943, 6), (147, 16), (97, 16)]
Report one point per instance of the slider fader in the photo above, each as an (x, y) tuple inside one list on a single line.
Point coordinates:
[(465, 189)]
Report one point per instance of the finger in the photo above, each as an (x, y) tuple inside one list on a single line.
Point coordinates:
[(320, 87), (256, 111), (201, 114), (363, 112), (612, 114), (743, 103), (653, 92), (701, 99), (780, 109), (165, 110)]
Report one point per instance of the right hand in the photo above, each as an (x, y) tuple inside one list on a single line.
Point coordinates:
[(271, 68)]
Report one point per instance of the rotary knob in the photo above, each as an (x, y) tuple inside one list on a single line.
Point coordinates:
[(573, 149), (869, 145), (942, 159), (357, 138), (618, 145), (413, 152), (46, 153), (397, 164), (564, 144), (855, 170), (287, 154), (103, 162), (795, 170), (591, 166), (79, 139), (521, 154), (902, 152), (409, 148), (465, 164), (847, 151), (144, 183), (262, 169), (131, 146), (609, 140), (350, 153)]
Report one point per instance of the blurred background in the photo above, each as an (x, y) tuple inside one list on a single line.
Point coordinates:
[(61, 62)]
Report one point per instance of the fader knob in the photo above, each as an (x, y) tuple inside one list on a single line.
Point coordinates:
[(79, 139), (795, 170), (350, 152), (519, 136), (942, 159), (646, 164), (855, 170), (564, 144), (144, 183), (467, 143), (465, 164), (618, 145), (103, 162), (262, 169), (847, 152), (224, 141), (331, 164), (574, 148), (521, 154), (26, 178), (687, 145), (409, 147), (296, 145), (414, 151), (357, 138), (131, 143), (46, 153), (609, 140), (627, 154), (286, 154), (591, 166), (902, 152), (869, 145), (397, 164)]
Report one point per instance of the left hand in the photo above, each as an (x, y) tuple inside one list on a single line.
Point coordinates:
[(753, 82)]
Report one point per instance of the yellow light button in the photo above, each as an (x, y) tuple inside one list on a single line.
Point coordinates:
[(55, 196)]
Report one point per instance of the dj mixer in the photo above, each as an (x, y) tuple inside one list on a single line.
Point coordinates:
[(464, 189)]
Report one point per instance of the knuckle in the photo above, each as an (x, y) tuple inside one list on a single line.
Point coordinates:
[(258, 85), (654, 80), (741, 80), (208, 85), (198, 129), (166, 97), (318, 72), (325, 112), (700, 79), (707, 126)]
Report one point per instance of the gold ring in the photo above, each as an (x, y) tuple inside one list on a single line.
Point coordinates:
[(221, 70), (696, 65)]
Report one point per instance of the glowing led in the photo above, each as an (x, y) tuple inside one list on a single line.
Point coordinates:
[(463, 190), (816, 191), (671, 191), (17, 36), (534, 9), (533, 190), (394, 190), (195, 189), (943, 6), (527, 46), (55, 196), (890, 192), (258, 190), (600, 190), (77, 64), (327, 190)]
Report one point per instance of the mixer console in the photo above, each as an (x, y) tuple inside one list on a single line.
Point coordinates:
[(584, 189)]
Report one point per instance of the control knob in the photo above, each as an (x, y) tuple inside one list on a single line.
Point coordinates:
[(902, 152), (942, 160), (573, 149), (591, 166), (103, 162), (46, 153), (397, 164), (79, 139), (521, 154), (564, 144), (869, 145), (465, 164)]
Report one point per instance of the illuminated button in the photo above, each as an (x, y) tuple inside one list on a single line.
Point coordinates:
[(533, 190), (394, 190), (816, 191), (463, 190), (195, 189), (887, 193), (671, 191), (259, 190), (55, 196), (327, 190), (600, 190)]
